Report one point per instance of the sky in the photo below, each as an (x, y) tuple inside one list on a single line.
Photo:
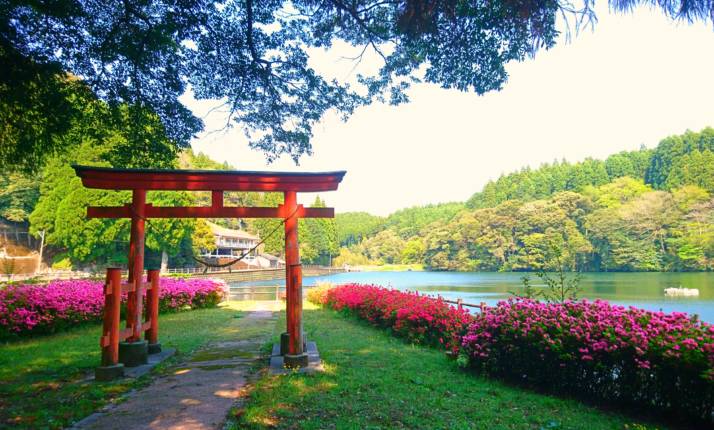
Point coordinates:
[(632, 80)]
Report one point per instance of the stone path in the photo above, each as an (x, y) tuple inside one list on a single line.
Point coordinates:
[(195, 395)]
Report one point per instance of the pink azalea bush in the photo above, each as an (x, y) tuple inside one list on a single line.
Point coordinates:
[(626, 356), (28, 309), (620, 355), (419, 319), (177, 294)]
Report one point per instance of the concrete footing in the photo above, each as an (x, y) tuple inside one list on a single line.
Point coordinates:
[(133, 354), (280, 364), (295, 361), (154, 348), (284, 342), (109, 373)]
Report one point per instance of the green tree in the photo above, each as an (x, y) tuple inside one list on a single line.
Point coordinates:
[(254, 56), (349, 257), (413, 251), (629, 163), (409, 222), (672, 148), (18, 196), (353, 227), (617, 192), (318, 237), (385, 247), (694, 168)]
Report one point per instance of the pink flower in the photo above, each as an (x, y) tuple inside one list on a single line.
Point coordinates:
[(30, 309)]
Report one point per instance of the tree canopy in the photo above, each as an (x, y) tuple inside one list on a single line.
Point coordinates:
[(254, 56)]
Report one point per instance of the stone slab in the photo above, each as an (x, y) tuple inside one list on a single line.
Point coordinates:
[(314, 363), (154, 360), (310, 348)]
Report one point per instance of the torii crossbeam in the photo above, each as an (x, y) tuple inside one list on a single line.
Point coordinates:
[(139, 181)]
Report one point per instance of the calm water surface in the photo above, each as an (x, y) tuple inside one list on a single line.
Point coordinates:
[(644, 290)]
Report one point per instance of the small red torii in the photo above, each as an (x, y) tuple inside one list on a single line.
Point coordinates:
[(139, 181)]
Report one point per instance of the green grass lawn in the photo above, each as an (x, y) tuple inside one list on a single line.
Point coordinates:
[(44, 381), (375, 381)]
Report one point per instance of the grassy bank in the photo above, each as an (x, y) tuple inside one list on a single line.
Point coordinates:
[(375, 381), (44, 381)]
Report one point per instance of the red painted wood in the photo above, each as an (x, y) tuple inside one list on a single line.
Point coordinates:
[(126, 333), (123, 179), (208, 212), (127, 287), (295, 342), (216, 199), (138, 226), (152, 307), (293, 287), (112, 302), (107, 321)]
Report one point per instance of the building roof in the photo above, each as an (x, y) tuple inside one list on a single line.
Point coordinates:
[(229, 232)]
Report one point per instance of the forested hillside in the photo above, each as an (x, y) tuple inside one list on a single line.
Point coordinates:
[(644, 210)]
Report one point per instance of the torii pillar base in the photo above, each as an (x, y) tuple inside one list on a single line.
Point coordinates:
[(109, 373), (154, 348), (295, 361), (284, 343), (133, 354), (280, 364)]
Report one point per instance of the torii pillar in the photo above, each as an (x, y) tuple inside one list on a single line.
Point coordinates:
[(295, 356)]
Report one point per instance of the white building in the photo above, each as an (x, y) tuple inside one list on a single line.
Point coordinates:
[(232, 243)]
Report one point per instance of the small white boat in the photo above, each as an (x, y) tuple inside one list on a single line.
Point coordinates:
[(689, 292)]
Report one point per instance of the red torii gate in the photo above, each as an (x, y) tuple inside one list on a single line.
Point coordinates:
[(139, 181)]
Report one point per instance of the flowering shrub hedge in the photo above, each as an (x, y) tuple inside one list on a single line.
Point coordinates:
[(318, 293), (419, 319), (34, 309), (623, 356), (626, 356)]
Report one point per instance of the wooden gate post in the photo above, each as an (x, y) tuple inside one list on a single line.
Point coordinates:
[(296, 356), (134, 351), (136, 259), (110, 367), (152, 311)]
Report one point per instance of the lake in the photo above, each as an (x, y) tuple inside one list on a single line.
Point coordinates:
[(645, 290)]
